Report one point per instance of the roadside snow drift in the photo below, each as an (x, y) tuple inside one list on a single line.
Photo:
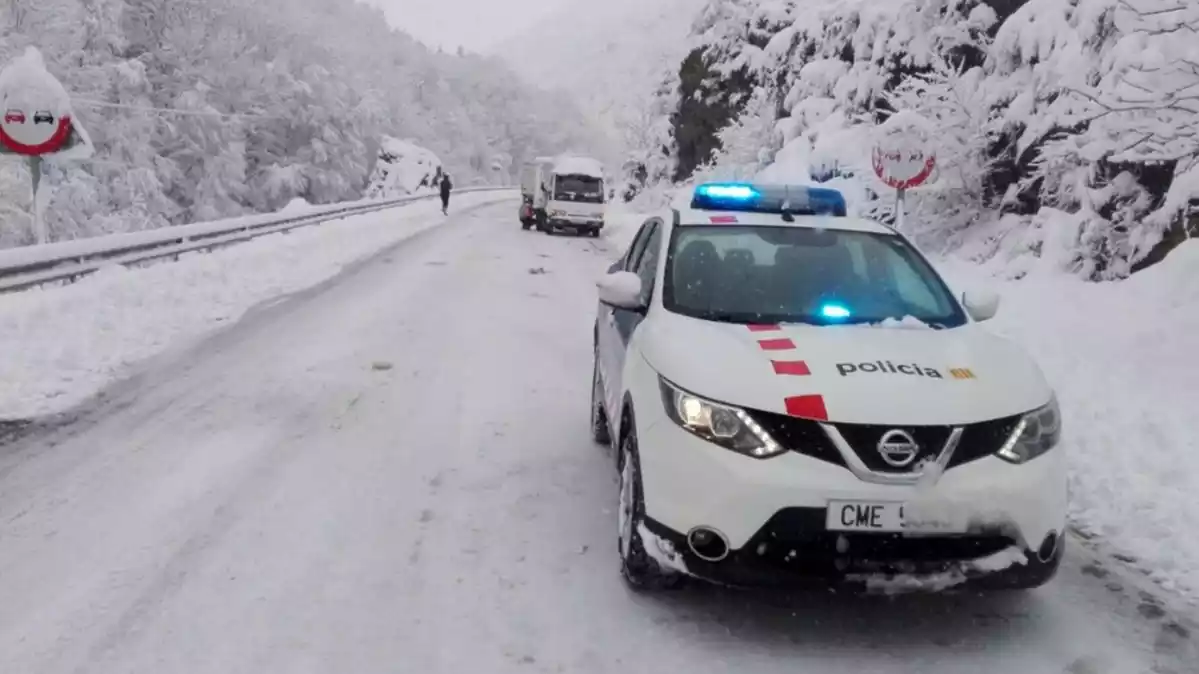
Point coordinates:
[(63, 344), (1122, 357), (403, 168)]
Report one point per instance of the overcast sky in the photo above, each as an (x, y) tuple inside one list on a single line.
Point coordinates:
[(476, 25)]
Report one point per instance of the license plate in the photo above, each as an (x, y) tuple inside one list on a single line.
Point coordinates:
[(864, 516), (890, 517)]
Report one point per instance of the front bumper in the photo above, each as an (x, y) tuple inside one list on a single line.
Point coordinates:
[(579, 225), (772, 511), (793, 549)]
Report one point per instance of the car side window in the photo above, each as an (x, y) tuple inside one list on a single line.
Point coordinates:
[(630, 259), (647, 266)]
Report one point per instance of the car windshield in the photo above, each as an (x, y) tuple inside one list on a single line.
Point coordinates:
[(580, 188), (766, 274)]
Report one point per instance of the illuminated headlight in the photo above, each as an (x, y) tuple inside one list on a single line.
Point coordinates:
[(1037, 433), (723, 425)]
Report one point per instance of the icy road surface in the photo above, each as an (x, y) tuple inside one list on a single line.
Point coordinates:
[(392, 473)]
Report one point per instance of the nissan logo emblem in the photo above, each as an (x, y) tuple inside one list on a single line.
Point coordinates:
[(898, 448)]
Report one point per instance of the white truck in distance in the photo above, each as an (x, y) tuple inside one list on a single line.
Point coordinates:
[(563, 193)]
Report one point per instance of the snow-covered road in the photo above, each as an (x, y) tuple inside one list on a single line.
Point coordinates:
[(392, 472)]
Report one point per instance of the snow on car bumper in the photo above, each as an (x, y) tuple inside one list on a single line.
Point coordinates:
[(772, 512)]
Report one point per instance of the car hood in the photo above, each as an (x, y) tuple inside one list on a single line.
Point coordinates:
[(852, 374)]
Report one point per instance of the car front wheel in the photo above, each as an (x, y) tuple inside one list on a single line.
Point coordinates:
[(640, 570), (599, 418)]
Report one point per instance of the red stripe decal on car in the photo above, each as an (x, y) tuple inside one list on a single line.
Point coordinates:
[(796, 367), (776, 344), (763, 328), (724, 219), (807, 407)]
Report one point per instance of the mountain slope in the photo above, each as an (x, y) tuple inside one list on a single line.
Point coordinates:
[(202, 109)]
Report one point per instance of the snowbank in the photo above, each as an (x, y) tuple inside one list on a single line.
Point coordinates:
[(297, 206), (403, 168), (62, 345), (582, 166), (621, 225), (1122, 357)]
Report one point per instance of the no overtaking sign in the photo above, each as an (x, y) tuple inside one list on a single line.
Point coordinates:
[(36, 121)]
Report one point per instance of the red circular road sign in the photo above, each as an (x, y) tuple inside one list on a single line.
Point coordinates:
[(902, 168), (34, 132)]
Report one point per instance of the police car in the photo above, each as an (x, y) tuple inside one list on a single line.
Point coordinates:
[(796, 395)]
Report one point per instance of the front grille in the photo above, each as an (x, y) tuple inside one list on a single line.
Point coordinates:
[(864, 438), (983, 439), (803, 436)]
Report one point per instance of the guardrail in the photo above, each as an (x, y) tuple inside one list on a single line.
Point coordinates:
[(30, 266)]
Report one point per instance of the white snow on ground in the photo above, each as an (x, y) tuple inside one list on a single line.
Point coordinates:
[(63, 344), (270, 503), (1121, 356)]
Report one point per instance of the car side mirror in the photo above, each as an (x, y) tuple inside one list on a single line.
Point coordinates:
[(621, 290), (982, 305)]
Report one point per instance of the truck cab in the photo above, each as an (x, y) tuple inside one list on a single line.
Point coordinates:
[(576, 196), (563, 193)]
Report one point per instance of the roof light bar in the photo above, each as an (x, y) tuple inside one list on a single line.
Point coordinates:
[(781, 199)]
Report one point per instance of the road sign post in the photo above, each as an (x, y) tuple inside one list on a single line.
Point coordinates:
[(37, 123), (903, 157), (39, 220)]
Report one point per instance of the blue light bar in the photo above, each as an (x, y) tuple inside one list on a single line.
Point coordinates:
[(834, 311), (732, 191), (751, 198)]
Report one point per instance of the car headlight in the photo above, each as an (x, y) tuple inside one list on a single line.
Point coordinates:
[(1037, 433), (557, 214), (723, 425)]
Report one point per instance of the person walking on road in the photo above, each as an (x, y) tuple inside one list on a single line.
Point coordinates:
[(446, 186)]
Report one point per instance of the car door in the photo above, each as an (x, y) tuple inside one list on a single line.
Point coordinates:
[(644, 263), (610, 346)]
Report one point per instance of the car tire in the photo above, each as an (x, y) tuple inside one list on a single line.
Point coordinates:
[(641, 572), (600, 431)]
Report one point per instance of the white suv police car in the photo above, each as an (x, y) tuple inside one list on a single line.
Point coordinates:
[(797, 395)]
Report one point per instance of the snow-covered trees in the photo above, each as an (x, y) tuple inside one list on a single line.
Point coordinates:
[(208, 108), (1065, 125)]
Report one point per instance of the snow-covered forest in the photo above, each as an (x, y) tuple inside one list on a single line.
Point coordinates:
[(202, 109), (1068, 129)]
